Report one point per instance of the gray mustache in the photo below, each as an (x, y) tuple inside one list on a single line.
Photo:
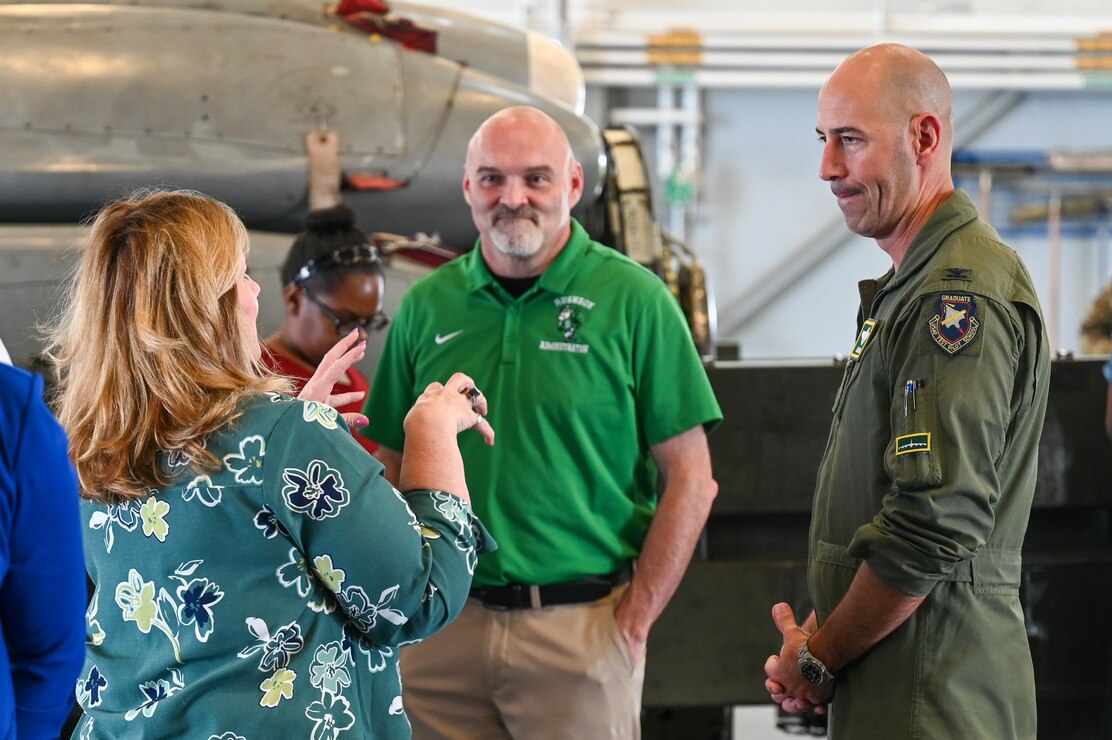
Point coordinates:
[(504, 212)]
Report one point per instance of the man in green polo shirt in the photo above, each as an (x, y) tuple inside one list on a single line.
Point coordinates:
[(597, 391)]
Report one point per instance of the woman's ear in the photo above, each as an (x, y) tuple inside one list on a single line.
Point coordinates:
[(292, 299)]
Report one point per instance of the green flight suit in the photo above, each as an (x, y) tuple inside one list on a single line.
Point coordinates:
[(928, 475)]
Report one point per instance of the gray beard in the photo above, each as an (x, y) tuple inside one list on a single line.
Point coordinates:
[(519, 242)]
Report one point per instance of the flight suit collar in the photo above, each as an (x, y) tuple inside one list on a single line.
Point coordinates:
[(955, 212)]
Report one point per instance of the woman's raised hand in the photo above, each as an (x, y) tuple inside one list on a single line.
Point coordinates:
[(345, 353), (457, 400)]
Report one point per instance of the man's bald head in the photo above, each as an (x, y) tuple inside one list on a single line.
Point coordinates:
[(521, 121), (900, 80)]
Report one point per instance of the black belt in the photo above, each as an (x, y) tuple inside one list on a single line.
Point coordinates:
[(525, 596)]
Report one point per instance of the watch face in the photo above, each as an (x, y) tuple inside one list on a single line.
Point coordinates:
[(811, 671)]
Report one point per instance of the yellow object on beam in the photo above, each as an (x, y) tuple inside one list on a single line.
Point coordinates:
[(678, 47), (1100, 42)]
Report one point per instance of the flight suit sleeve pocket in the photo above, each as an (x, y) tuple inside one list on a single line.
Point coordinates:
[(996, 570), (912, 457)]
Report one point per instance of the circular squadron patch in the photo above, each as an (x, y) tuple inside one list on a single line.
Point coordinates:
[(954, 324)]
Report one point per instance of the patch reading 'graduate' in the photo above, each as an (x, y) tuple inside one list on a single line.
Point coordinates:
[(909, 443), (954, 324)]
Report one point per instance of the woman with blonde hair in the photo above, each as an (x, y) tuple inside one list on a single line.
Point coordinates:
[(255, 572)]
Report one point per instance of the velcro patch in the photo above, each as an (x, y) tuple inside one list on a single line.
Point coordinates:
[(954, 325), (912, 443), (868, 329)]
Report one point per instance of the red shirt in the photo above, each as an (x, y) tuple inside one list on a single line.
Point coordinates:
[(300, 372)]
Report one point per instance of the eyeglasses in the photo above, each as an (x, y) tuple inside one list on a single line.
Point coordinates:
[(345, 326)]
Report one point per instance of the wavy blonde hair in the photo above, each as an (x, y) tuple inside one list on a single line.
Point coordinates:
[(151, 351)]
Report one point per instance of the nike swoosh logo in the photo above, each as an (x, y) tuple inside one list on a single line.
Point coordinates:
[(442, 339)]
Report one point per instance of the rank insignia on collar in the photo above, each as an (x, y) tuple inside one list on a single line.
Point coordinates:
[(954, 324), (868, 330)]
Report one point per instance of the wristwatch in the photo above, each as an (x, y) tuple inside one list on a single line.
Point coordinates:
[(812, 669)]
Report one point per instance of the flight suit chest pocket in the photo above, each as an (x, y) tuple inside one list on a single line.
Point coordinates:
[(912, 457)]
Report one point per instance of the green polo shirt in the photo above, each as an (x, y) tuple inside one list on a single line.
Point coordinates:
[(583, 373)]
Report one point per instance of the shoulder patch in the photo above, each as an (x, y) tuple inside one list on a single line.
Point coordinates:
[(954, 324), (868, 331)]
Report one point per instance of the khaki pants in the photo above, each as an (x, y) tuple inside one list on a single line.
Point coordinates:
[(558, 672)]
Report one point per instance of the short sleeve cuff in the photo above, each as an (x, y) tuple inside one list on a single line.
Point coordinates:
[(450, 515)]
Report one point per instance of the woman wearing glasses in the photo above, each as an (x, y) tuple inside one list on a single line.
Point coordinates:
[(332, 284)]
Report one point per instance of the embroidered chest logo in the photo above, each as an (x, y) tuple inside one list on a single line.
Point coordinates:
[(954, 324), (568, 321), (569, 318), (868, 330)]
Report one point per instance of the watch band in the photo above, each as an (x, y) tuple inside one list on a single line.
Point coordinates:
[(813, 670)]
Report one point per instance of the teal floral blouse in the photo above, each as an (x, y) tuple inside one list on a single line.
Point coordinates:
[(268, 598)]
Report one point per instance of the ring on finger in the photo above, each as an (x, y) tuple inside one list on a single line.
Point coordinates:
[(478, 420)]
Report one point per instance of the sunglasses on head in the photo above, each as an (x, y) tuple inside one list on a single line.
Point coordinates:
[(346, 257)]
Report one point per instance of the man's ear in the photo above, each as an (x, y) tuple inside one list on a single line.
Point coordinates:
[(576, 183), (926, 131), (467, 189)]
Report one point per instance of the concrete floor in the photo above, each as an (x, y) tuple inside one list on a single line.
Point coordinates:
[(755, 723), (759, 723)]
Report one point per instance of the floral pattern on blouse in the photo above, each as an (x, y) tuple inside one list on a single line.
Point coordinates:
[(318, 491), (202, 489), (279, 576)]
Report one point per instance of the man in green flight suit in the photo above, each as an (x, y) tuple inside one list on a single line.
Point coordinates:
[(925, 489)]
